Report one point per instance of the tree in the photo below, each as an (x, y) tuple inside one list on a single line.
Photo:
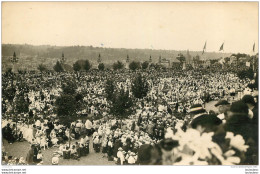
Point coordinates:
[(227, 59), (243, 74), (181, 58), (31, 114), (21, 105), (42, 68), (9, 93), (145, 65), (140, 87), (118, 65), (58, 67), (66, 105), (76, 67), (239, 55), (155, 66), (20, 71), (87, 65), (101, 66), (109, 89), (121, 105), (69, 87), (79, 97), (9, 71), (134, 65)]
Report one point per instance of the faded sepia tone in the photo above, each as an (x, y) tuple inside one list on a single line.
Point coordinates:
[(152, 25), (129, 83)]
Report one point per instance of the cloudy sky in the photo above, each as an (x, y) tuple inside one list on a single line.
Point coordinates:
[(152, 25)]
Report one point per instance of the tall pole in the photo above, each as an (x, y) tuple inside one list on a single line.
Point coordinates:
[(14, 60), (254, 56), (253, 63), (16, 124), (99, 59)]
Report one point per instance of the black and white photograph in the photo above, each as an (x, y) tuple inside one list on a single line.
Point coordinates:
[(129, 83)]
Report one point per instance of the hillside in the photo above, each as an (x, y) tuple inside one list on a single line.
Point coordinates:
[(31, 56)]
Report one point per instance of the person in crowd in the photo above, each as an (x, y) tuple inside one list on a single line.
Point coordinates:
[(30, 155), (174, 101), (223, 107), (55, 159), (88, 126), (203, 119), (120, 156), (110, 147), (250, 102), (39, 157)]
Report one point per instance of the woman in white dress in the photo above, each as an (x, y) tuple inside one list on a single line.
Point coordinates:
[(38, 136), (44, 143), (54, 139), (29, 134)]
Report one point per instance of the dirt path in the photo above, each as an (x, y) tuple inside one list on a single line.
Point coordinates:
[(20, 149)]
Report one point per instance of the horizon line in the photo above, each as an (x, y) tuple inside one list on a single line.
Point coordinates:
[(119, 48)]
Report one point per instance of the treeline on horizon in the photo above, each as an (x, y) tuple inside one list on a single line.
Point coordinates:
[(108, 55)]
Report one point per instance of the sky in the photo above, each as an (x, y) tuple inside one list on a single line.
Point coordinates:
[(150, 25)]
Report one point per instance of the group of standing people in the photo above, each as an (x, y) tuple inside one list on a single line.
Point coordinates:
[(174, 102)]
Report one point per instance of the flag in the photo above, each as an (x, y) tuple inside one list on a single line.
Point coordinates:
[(221, 47), (254, 47), (205, 45), (204, 48)]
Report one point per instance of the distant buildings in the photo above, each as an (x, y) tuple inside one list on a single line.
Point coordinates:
[(164, 62)]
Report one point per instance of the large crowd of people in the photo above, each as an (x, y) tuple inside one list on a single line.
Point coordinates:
[(168, 126)]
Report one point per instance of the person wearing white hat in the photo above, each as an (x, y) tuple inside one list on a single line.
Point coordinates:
[(21, 161), (88, 126), (82, 141), (55, 159), (97, 143), (131, 160), (120, 156), (43, 142)]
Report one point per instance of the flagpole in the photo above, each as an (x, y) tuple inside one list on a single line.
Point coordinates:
[(203, 51), (223, 58), (222, 49), (254, 57)]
